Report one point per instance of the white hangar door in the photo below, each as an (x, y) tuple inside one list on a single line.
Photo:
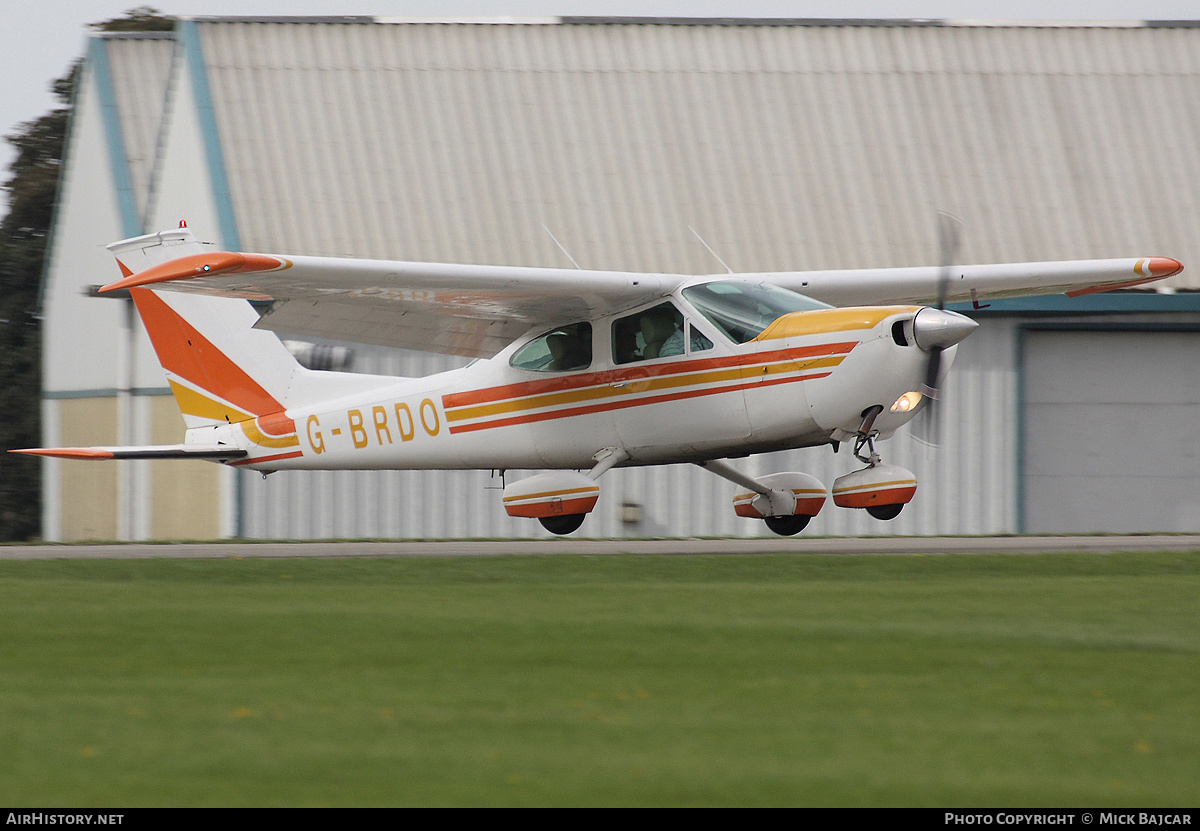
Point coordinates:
[(1111, 431)]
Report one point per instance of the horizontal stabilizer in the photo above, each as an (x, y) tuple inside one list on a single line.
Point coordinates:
[(214, 452)]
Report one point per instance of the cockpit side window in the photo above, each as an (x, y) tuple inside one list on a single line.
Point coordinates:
[(697, 340), (741, 311), (565, 349), (657, 332)]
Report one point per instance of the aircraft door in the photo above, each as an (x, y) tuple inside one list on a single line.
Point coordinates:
[(672, 387), (774, 369), (551, 397)]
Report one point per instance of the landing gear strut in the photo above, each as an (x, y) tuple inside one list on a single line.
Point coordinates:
[(866, 436), (560, 499), (784, 501), (883, 490)]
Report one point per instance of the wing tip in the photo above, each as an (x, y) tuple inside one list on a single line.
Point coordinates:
[(1148, 269), (199, 265), (1160, 267)]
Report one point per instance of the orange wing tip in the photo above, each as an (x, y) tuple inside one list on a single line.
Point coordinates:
[(1160, 267), (68, 452), (200, 265), (1149, 269)]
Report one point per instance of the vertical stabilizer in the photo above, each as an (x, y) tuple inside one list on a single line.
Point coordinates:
[(220, 368), (140, 253)]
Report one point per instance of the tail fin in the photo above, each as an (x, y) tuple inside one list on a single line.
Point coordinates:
[(222, 370)]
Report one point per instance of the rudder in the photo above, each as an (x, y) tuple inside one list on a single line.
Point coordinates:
[(219, 367)]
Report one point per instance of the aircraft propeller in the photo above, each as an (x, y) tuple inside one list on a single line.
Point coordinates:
[(936, 332)]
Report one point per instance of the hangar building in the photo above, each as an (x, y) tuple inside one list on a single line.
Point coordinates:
[(782, 145)]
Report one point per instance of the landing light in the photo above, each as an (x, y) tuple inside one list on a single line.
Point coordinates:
[(907, 402)]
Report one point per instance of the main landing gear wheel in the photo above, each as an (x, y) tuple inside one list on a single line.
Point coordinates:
[(787, 526), (885, 511), (563, 524)]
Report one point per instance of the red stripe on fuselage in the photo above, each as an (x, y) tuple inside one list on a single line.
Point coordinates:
[(636, 372), (622, 404)]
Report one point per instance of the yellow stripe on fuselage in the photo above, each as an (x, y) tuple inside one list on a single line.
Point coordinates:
[(639, 385), (606, 390), (202, 406)]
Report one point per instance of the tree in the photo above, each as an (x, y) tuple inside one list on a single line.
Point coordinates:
[(32, 191)]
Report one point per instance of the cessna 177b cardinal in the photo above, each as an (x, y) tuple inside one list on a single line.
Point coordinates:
[(580, 371)]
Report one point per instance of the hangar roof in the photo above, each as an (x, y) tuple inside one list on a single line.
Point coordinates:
[(782, 146), (138, 67)]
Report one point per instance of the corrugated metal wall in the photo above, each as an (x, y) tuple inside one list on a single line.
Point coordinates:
[(785, 147)]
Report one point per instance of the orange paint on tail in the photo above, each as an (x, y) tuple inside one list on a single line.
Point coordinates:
[(187, 354)]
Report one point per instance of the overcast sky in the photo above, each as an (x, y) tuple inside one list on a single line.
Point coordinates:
[(40, 39)]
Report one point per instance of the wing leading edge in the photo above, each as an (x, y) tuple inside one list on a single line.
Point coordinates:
[(888, 286), (477, 310), (469, 310)]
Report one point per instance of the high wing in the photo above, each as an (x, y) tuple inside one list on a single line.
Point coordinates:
[(477, 310), (469, 310), (921, 285)]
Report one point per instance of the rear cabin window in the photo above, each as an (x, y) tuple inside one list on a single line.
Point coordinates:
[(565, 349)]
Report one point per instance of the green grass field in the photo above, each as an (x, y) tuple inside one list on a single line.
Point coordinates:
[(980, 681)]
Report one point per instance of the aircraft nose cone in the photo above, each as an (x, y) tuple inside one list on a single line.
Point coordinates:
[(941, 328)]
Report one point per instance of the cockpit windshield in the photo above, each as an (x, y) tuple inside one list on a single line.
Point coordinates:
[(742, 310)]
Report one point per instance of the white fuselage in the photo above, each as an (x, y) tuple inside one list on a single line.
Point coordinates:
[(806, 380)]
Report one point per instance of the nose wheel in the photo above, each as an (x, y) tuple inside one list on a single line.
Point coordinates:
[(882, 490)]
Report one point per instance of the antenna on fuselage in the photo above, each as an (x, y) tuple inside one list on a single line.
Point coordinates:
[(710, 251), (560, 247)]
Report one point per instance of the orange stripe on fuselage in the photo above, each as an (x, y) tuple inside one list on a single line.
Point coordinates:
[(625, 403), (276, 424), (640, 385), (639, 373)]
